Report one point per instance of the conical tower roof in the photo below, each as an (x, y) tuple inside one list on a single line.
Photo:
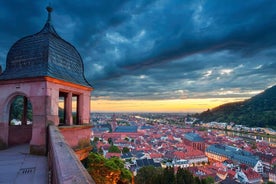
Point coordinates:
[(44, 54)]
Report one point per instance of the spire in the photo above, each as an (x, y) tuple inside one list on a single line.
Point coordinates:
[(49, 10), (48, 27)]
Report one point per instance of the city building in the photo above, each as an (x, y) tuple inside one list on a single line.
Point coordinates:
[(181, 163), (249, 176), (219, 152), (268, 160), (194, 140), (272, 175)]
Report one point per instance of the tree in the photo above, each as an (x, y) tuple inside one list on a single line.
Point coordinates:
[(208, 180), (180, 176), (110, 141), (114, 149), (108, 170), (100, 151), (148, 175), (168, 175), (197, 180), (126, 138), (188, 176), (125, 150)]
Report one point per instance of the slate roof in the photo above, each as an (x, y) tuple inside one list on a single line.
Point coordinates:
[(144, 127), (147, 162), (193, 137), (127, 129), (234, 153), (44, 54), (126, 155)]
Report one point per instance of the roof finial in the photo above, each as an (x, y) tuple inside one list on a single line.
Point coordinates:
[(49, 10)]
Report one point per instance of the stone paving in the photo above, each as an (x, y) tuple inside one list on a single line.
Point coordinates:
[(18, 166)]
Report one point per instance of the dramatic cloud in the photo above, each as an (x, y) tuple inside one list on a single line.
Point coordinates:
[(159, 49)]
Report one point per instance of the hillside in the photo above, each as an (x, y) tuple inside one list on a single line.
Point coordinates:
[(259, 110)]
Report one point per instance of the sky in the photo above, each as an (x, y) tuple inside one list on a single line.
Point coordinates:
[(159, 55)]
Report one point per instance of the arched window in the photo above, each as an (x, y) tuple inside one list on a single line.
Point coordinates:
[(21, 111)]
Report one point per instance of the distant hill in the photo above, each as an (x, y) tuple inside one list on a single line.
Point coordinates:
[(259, 110)]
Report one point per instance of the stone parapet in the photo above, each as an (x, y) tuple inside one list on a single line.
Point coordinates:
[(64, 166), (73, 134)]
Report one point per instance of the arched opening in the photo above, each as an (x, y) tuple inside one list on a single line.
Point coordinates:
[(20, 120)]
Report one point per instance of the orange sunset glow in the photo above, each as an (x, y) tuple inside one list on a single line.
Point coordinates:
[(181, 105)]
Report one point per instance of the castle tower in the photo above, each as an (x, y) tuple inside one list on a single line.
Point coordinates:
[(45, 73)]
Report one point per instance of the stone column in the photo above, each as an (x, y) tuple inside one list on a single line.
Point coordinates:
[(25, 111), (68, 107), (80, 108)]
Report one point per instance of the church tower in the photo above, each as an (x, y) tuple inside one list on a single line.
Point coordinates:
[(45, 74)]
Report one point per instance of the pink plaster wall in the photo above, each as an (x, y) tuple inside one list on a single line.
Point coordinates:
[(72, 134), (53, 91), (44, 96), (4, 132), (34, 91), (20, 134)]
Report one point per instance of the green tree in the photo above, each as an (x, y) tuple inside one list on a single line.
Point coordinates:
[(188, 177), (168, 175), (16, 109), (208, 180), (180, 176), (197, 180), (125, 150), (126, 138), (110, 141), (100, 151), (96, 139), (148, 175), (114, 149), (108, 170)]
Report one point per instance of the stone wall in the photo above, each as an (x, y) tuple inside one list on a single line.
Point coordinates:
[(20, 134), (73, 134), (64, 166)]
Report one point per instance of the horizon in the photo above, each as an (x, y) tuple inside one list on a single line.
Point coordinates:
[(159, 56), (160, 106)]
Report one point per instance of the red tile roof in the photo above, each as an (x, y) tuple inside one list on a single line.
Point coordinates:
[(251, 174)]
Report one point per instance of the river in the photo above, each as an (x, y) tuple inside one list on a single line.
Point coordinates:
[(250, 136)]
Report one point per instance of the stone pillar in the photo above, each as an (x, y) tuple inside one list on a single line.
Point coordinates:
[(80, 108), (68, 107), (25, 111), (39, 128)]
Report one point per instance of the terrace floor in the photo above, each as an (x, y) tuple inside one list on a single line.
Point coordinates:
[(18, 166)]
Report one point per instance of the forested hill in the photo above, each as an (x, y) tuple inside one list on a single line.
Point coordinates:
[(259, 110)]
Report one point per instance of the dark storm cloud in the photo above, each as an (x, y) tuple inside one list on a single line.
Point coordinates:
[(159, 49)]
